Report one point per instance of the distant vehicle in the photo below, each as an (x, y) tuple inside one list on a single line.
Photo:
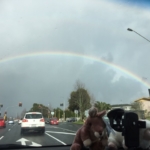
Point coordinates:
[(10, 120), (47, 120), (67, 119), (2, 122), (71, 120), (33, 121), (54, 121)]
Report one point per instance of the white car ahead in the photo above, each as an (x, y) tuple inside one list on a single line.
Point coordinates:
[(33, 121), (10, 122)]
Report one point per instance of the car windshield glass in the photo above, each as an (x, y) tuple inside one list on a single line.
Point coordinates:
[(33, 116), (53, 119), (59, 58)]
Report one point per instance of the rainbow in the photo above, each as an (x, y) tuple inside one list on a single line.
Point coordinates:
[(79, 55)]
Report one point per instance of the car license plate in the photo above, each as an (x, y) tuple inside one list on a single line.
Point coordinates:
[(33, 125)]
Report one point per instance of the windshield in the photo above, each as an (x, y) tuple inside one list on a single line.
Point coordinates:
[(54, 119), (60, 57), (33, 116)]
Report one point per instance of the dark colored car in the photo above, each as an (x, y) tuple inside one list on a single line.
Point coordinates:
[(72, 120), (47, 120), (54, 121), (2, 122)]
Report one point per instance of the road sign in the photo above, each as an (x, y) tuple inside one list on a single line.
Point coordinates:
[(75, 111), (52, 113), (86, 113)]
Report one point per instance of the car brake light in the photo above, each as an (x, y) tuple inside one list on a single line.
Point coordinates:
[(41, 120), (24, 120)]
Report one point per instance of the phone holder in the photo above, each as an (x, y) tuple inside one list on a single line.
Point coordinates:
[(127, 123)]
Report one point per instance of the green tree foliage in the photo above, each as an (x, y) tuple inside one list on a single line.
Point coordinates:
[(137, 105), (69, 113), (79, 99), (73, 101), (58, 113), (102, 106), (41, 108)]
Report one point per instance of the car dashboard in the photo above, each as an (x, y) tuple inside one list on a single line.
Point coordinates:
[(37, 148)]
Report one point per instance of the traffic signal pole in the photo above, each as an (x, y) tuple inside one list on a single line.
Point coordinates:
[(64, 111)]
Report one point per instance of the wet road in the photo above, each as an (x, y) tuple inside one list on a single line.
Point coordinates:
[(62, 134)]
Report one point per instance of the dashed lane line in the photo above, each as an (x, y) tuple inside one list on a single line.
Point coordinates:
[(1, 137), (66, 129), (56, 139)]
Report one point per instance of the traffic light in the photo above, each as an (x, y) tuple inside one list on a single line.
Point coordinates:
[(5, 112), (61, 104), (1, 105), (20, 104)]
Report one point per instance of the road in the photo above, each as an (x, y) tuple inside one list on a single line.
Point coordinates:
[(62, 134)]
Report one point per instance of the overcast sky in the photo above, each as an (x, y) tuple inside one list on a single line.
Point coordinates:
[(92, 28)]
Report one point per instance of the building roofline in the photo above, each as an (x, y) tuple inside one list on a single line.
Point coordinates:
[(143, 98), (121, 105)]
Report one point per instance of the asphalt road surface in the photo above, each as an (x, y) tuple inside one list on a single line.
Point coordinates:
[(62, 134)]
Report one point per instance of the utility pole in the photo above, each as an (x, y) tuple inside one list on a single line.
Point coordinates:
[(64, 110)]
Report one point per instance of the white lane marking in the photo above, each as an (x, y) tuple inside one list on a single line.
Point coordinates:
[(23, 142), (9, 130), (50, 127), (56, 139), (62, 132), (66, 129), (35, 144), (1, 137)]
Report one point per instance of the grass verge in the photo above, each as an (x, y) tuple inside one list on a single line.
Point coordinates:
[(148, 118), (79, 122)]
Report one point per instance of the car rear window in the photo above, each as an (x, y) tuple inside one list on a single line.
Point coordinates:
[(33, 116), (53, 119)]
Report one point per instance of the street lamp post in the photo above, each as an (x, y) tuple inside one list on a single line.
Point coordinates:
[(131, 30)]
